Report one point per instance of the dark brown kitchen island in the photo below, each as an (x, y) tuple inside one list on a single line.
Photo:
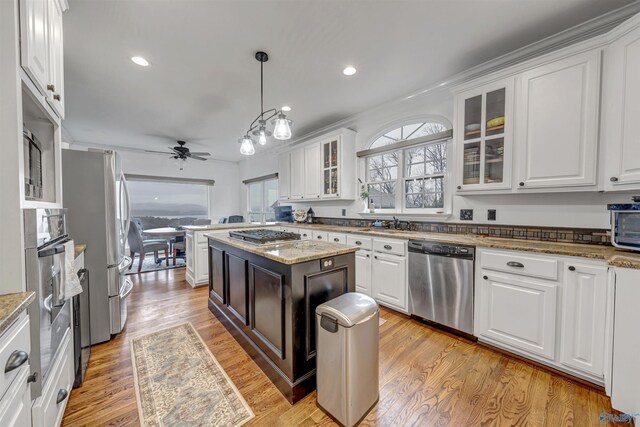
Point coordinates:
[(266, 296)]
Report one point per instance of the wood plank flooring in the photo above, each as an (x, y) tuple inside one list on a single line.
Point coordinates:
[(427, 377)]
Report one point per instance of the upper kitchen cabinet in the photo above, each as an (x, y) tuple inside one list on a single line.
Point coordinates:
[(284, 176), (556, 127), (42, 50), (621, 108), (484, 126), (322, 169)]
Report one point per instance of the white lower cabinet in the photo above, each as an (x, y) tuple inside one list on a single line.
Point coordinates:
[(15, 392), (584, 318), (389, 280), (518, 312), (558, 316), (320, 235), (197, 254), (15, 407), (363, 272), (48, 409)]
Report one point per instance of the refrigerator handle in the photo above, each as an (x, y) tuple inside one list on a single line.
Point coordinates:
[(127, 223)]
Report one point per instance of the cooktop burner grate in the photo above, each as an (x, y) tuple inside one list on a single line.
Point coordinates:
[(263, 236)]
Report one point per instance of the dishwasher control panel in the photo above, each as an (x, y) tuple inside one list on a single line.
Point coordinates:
[(445, 249)]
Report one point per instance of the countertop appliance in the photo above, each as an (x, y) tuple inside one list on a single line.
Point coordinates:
[(625, 225), (263, 236), (441, 284), (32, 166), (81, 329), (45, 232), (97, 199)]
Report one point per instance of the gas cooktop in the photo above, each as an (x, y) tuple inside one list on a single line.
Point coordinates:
[(263, 236)]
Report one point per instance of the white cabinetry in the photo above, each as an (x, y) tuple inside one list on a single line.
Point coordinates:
[(584, 317), (363, 272), (551, 309), (15, 406), (621, 107), (41, 48), (389, 280), (197, 254), (297, 174), (557, 122), (518, 312), (312, 172), (284, 176), (320, 235)]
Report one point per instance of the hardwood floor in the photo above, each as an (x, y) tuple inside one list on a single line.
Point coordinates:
[(426, 377)]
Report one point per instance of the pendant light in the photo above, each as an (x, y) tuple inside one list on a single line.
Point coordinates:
[(282, 125)]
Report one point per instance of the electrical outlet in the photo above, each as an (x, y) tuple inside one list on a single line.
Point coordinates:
[(344, 212), (491, 215), (466, 214)]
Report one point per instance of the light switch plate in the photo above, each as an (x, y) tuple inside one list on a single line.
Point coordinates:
[(491, 215)]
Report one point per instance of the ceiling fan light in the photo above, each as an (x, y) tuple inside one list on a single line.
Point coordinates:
[(246, 146), (282, 129)]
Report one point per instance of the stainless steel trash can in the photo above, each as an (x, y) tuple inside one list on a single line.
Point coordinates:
[(347, 357)]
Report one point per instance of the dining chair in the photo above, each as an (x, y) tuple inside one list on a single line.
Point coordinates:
[(178, 246), (222, 220), (138, 245), (235, 219)]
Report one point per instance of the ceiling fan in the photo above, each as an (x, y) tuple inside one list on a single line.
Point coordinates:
[(180, 152)]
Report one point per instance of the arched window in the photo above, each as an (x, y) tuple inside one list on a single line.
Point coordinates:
[(405, 132), (408, 177)]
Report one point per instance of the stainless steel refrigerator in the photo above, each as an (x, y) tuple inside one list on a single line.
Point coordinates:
[(97, 201)]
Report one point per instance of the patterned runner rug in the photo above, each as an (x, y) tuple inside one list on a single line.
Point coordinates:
[(178, 382)]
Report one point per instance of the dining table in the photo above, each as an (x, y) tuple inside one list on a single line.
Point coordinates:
[(168, 233)]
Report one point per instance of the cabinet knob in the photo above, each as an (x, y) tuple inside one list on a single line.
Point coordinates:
[(387, 247), (358, 242), (319, 237), (367, 255), (485, 277), (51, 88), (572, 268), (613, 179), (335, 239), (318, 196), (337, 194), (375, 256), (459, 187), (57, 97), (521, 184)]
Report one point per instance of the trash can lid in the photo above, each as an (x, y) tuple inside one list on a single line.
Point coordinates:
[(349, 309)]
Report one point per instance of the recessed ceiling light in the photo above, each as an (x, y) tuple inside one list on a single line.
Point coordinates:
[(349, 71), (286, 108), (140, 61)]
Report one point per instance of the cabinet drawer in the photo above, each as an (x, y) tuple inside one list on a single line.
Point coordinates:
[(14, 340), (200, 237), (362, 241), (524, 265), (15, 407), (337, 238), (50, 407), (320, 235), (396, 247), (304, 233)]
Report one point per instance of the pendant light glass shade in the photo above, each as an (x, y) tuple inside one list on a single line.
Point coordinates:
[(262, 140), (281, 130), (246, 147)]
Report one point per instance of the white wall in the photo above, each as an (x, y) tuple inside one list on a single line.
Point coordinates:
[(224, 196), (578, 209)]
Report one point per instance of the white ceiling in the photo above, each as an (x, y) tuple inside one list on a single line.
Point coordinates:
[(203, 82)]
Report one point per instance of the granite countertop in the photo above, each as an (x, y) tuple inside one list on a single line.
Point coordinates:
[(291, 252), (211, 227), (11, 305), (78, 249), (613, 256)]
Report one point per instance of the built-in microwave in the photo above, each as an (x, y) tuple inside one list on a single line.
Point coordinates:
[(32, 166), (625, 225)]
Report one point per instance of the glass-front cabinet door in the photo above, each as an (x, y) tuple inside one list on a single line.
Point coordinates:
[(331, 168), (484, 125)]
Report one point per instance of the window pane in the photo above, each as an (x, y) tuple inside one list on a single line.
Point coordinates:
[(383, 195), (437, 155), (394, 134), (414, 155), (390, 159), (255, 217), (426, 193), (416, 170), (271, 192), (408, 130), (413, 186), (255, 197), (163, 204), (390, 173), (374, 162)]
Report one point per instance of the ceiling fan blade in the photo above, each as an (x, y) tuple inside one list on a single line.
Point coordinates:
[(157, 152), (197, 157), (200, 153)]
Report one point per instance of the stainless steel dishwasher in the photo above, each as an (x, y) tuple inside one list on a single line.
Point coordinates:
[(441, 284)]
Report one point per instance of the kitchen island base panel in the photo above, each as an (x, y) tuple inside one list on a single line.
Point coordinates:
[(293, 392)]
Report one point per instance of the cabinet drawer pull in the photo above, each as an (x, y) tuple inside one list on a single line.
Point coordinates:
[(319, 237), (358, 242), (375, 256), (62, 395), (57, 97), (515, 264), (17, 359), (367, 255), (388, 247), (335, 239), (51, 88), (485, 277), (521, 184), (613, 179), (572, 268)]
